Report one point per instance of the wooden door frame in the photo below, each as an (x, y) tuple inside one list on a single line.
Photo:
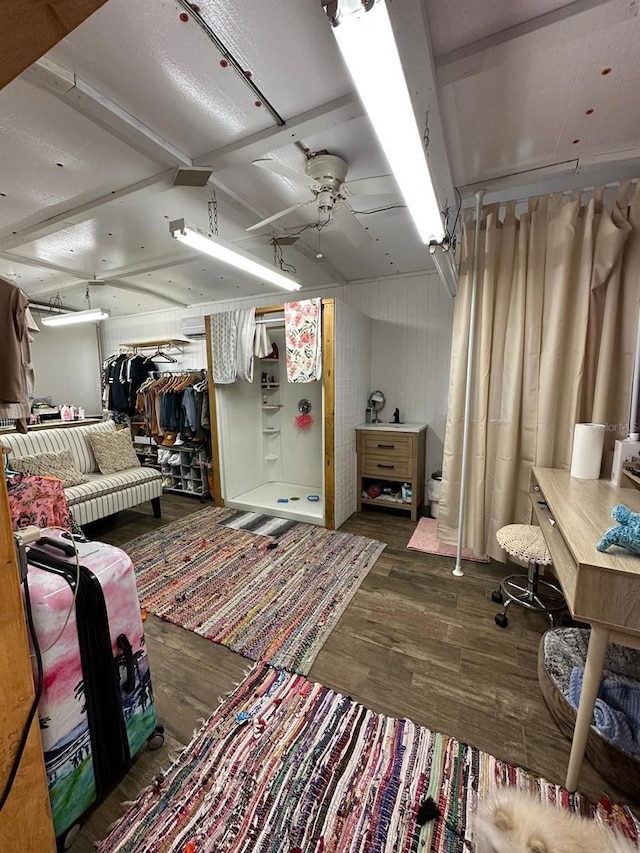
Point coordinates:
[(328, 399)]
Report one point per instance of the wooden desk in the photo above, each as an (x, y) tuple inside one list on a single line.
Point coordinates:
[(602, 589)]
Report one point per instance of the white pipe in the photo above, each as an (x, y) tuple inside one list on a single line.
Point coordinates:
[(634, 426), (467, 394)]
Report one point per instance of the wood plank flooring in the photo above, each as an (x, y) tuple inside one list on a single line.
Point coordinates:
[(414, 642)]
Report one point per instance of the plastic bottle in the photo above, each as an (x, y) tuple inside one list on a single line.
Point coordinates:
[(66, 413)]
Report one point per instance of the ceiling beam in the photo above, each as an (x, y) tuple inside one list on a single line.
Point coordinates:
[(575, 20), (314, 121), (37, 226), (39, 263), (145, 291), (32, 27), (105, 112)]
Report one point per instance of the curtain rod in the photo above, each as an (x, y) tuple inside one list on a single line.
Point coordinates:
[(576, 190)]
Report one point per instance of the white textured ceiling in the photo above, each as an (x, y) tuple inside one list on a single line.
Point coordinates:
[(135, 92)]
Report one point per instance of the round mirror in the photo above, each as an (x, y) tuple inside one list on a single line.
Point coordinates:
[(376, 402)]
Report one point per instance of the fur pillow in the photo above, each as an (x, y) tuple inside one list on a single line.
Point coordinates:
[(114, 451), (57, 463)]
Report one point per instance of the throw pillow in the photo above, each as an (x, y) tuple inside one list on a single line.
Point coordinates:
[(57, 463), (114, 451)]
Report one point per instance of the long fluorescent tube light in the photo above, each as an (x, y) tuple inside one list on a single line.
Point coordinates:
[(91, 315), (445, 265), (369, 50), (229, 254)]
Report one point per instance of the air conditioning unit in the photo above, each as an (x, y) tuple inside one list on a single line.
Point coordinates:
[(192, 327)]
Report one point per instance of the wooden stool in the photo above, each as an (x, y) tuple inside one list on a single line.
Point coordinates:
[(526, 542)]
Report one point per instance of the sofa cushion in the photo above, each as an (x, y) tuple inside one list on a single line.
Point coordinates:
[(114, 451), (74, 438), (98, 485), (58, 464)]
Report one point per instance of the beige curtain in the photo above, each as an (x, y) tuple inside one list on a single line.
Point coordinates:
[(558, 296)]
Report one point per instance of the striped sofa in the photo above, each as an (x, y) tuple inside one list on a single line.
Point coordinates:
[(103, 494)]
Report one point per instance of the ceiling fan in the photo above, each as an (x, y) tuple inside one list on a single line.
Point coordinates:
[(324, 177)]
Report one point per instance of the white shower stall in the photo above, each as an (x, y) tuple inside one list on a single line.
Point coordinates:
[(267, 462)]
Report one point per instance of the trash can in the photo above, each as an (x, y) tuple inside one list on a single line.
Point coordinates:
[(434, 484)]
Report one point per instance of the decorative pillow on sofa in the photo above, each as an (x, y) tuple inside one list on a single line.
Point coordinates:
[(57, 463), (114, 451)]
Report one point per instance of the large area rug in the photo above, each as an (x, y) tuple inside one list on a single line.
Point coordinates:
[(425, 538), (288, 766), (270, 600)]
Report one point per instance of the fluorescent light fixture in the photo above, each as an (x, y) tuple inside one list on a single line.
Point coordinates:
[(91, 315), (229, 254), (369, 50), (446, 267)]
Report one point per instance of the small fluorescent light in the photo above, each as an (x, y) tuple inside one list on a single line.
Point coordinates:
[(445, 265), (229, 254), (369, 50), (91, 315)]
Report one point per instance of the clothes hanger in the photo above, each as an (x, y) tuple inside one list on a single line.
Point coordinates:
[(160, 354)]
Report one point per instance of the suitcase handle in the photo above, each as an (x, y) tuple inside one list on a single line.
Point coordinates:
[(67, 549), (125, 646)]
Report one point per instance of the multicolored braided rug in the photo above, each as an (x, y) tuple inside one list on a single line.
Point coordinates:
[(288, 766), (275, 601)]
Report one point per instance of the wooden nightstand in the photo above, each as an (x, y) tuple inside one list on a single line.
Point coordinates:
[(392, 455)]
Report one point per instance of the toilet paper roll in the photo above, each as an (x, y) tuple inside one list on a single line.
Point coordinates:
[(586, 459)]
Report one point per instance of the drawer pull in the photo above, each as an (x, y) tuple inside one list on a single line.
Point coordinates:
[(387, 446), (385, 466)]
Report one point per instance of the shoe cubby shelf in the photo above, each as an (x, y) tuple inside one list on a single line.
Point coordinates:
[(185, 476)]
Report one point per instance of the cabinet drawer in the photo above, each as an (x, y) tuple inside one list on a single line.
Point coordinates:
[(386, 469), (388, 445)]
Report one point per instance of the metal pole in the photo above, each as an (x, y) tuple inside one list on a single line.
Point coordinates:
[(467, 394)]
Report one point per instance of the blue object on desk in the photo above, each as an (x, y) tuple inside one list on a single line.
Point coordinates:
[(313, 498), (283, 500)]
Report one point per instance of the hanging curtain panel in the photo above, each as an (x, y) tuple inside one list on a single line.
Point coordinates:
[(558, 298)]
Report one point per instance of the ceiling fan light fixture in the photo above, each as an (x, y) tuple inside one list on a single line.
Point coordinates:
[(91, 315), (366, 41), (227, 253)]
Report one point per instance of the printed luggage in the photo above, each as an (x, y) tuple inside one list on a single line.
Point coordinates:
[(97, 709)]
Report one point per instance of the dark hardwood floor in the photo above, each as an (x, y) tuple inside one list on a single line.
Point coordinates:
[(414, 642)]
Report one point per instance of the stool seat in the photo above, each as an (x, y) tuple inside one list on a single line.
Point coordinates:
[(524, 541)]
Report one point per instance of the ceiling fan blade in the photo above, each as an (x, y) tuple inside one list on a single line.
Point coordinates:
[(280, 213), (382, 185), (287, 172), (353, 230)]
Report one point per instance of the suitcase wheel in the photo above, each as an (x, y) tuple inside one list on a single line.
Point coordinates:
[(156, 738), (69, 837)]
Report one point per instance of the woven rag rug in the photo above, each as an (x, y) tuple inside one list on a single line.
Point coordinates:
[(275, 601), (288, 766)]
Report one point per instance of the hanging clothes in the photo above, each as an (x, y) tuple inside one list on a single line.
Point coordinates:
[(123, 374), (303, 340), (17, 378), (223, 347), (262, 346), (245, 337)]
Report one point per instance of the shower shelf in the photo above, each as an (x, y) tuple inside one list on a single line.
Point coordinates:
[(272, 406), (266, 358), (269, 386), (270, 431), (271, 458)]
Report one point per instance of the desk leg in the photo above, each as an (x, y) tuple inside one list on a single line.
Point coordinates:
[(598, 643)]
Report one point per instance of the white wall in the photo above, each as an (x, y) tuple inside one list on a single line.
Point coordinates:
[(410, 344), (67, 365)]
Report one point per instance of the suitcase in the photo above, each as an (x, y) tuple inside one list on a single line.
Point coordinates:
[(97, 710)]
